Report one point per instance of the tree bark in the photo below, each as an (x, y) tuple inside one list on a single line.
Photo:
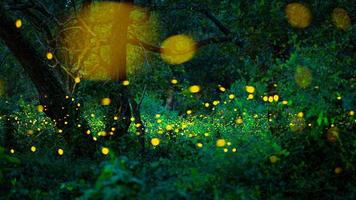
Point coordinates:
[(51, 91)]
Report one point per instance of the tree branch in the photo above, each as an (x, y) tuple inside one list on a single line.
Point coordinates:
[(199, 44)]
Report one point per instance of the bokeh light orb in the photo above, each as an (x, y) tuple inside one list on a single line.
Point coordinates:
[(194, 89), (303, 76), (298, 15), (178, 49), (341, 19)]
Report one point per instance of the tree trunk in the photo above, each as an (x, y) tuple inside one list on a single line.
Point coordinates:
[(52, 93)]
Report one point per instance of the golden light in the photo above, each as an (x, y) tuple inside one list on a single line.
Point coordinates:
[(352, 113), (60, 152), (49, 56), (174, 81), (231, 96), (298, 15), (155, 141), (250, 96), (33, 149), (77, 80), (105, 101), (276, 98), (273, 159), (341, 19), (216, 102), (284, 102), (178, 49), (40, 108), (105, 150), (338, 170), (189, 112), (250, 89), (169, 127), (125, 82), (98, 40), (303, 76), (234, 149), (332, 134), (18, 23), (300, 114), (222, 89), (199, 145), (239, 121), (220, 142), (265, 98), (194, 89), (12, 151)]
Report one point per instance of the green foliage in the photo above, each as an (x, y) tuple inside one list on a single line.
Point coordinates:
[(298, 145)]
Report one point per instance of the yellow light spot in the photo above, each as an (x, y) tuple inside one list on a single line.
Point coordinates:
[(298, 15), (77, 80), (102, 133), (273, 159), (174, 81), (189, 112), (220, 143), (231, 96), (49, 56), (250, 96), (199, 145), (226, 150), (88, 132), (158, 116), (132, 119), (105, 101), (33, 148), (341, 19), (18, 23), (216, 102), (40, 108), (116, 118), (138, 125), (105, 150), (29, 132), (194, 89), (275, 97), (250, 89), (206, 134), (284, 102), (239, 120), (222, 89), (270, 99), (352, 113), (207, 105), (60, 152), (300, 114), (169, 127), (234, 150), (125, 82), (178, 49), (159, 121), (12, 151), (338, 170), (155, 141), (339, 98), (265, 98), (60, 131)]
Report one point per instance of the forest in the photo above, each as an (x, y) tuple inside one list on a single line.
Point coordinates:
[(177, 99)]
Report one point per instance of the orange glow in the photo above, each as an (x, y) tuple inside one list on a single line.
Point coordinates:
[(298, 15), (97, 42), (178, 49)]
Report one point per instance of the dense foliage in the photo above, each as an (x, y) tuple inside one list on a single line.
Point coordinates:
[(270, 114)]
